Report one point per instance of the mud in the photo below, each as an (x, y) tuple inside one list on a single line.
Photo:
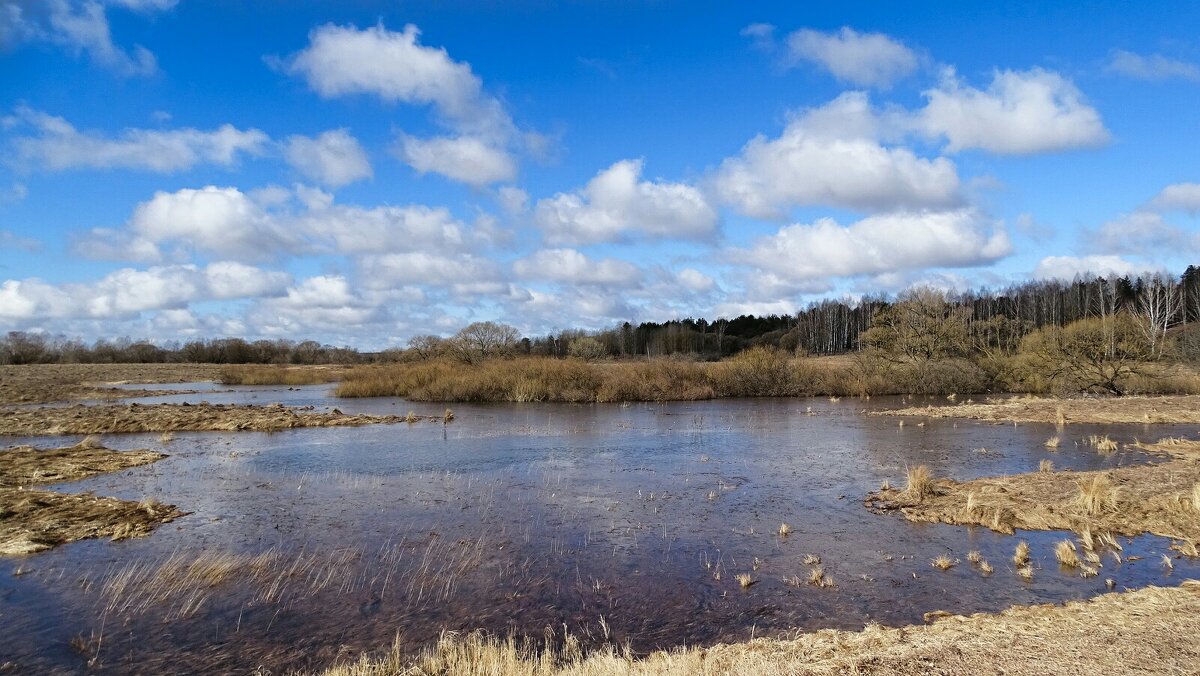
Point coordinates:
[(46, 383)]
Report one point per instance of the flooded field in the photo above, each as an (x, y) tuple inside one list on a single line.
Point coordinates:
[(629, 523)]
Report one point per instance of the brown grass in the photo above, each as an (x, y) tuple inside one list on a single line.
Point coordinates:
[(1130, 500), (943, 562), (45, 383), (1046, 466), (919, 483), (1119, 410), (252, 374), (1021, 554), (1148, 631), (117, 418), (1066, 553), (28, 466), (34, 520)]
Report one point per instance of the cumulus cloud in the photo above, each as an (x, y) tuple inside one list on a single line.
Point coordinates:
[(572, 267), (695, 281), (1154, 68), (317, 302), (831, 155), (395, 66), (617, 205), (1070, 267), (81, 27), (467, 159), (128, 292), (861, 59), (58, 146), (1020, 113), (877, 244), (1178, 197), (334, 158), (457, 271), (341, 60)]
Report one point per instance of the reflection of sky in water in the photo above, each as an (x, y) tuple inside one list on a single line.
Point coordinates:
[(575, 511)]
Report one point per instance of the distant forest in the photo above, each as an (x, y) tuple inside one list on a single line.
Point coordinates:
[(995, 319)]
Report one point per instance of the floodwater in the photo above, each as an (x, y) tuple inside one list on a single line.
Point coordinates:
[(626, 523)]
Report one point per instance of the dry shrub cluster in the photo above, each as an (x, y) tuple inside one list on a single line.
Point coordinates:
[(756, 372)]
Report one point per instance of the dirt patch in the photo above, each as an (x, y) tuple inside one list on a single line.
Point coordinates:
[(31, 521), (45, 383), (1115, 410), (1148, 631), (1161, 498), (27, 466), (129, 418)]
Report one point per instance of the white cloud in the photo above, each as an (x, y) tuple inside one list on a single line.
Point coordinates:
[(80, 26), (1020, 113), (59, 146), (224, 221), (1154, 68), (695, 281), (467, 159), (1143, 232), (334, 158), (513, 200), (341, 60), (572, 267), (831, 156), (1178, 197), (861, 59), (1069, 267), (357, 230), (317, 302), (876, 244), (616, 205), (127, 292), (427, 269), (10, 240)]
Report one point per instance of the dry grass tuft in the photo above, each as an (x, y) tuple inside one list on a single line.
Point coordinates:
[(919, 483), (1025, 572), (1102, 443), (1021, 554), (1053, 442), (280, 375), (744, 580), (785, 529), (1066, 554), (985, 568), (1045, 466), (943, 562), (812, 560), (1097, 495), (974, 556)]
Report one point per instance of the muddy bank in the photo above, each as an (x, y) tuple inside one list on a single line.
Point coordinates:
[(1160, 498), (1149, 631), (130, 418), (27, 466), (1115, 410), (46, 383)]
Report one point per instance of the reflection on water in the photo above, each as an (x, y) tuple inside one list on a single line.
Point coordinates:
[(309, 545)]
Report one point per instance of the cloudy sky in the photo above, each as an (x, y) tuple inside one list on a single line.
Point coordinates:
[(360, 172)]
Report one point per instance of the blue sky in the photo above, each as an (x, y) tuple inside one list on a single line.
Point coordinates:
[(361, 172)]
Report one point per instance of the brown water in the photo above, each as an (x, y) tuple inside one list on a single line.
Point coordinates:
[(518, 518)]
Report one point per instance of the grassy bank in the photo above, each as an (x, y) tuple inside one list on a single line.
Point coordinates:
[(1148, 631), (758, 372), (280, 375), (1106, 411)]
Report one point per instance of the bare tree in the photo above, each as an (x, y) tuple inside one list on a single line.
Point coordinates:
[(1158, 306), (484, 340), (426, 347)]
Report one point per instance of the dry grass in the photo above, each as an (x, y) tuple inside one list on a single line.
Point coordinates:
[(1160, 409), (744, 580), (943, 562), (45, 383), (784, 529), (919, 483), (33, 520), (985, 568), (974, 556), (1066, 553), (116, 418), (1053, 442), (28, 466), (254, 374), (1102, 443), (1130, 500), (1021, 554), (1046, 466), (1148, 631)]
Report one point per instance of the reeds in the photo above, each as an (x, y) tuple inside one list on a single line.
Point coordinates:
[(1046, 466), (1097, 495), (1021, 554), (1102, 443), (919, 483), (1053, 442), (784, 530), (943, 562), (1066, 553), (744, 580)]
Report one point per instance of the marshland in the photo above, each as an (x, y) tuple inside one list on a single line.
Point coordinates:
[(578, 530)]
